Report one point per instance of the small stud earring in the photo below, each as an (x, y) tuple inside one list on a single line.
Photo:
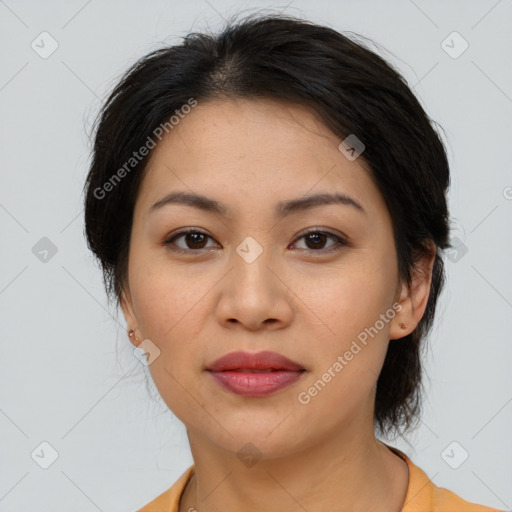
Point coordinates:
[(402, 325), (131, 332)]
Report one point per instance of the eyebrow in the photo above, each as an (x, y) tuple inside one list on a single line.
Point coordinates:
[(282, 209)]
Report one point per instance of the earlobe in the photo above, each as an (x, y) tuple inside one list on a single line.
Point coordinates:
[(126, 306), (414, 297), (134, 339), (400, 325)]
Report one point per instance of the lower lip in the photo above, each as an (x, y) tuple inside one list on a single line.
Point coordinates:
[(256, 384)]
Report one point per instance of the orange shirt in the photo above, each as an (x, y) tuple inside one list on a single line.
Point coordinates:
[(422, 494)]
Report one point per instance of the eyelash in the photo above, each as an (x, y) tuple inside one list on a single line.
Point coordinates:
[(341, 241)]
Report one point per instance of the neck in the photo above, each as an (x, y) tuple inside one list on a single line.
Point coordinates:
[(349, 474)]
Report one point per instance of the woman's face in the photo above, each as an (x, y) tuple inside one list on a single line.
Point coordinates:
[(255, 281)]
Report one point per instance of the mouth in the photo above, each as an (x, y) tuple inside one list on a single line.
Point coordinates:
[(253, 370), (254, 361), (255, 375)]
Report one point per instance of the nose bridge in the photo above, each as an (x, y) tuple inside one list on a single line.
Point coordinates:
[(253, 295), (251, 261)]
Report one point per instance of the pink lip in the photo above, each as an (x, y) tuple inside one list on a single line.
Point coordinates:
[(278, 372)]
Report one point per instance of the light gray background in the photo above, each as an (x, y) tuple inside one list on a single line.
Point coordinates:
[(61, 378)]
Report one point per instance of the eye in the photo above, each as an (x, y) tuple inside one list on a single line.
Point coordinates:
[(194, 240), (315, 240)]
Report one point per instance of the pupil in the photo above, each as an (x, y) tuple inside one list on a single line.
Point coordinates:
[(314, 237), (195, 235)]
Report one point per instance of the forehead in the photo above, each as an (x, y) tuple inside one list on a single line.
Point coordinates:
[(243, 149), (263, 128)]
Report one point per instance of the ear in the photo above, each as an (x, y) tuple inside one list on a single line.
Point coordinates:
[(126, 305), (413, 298)]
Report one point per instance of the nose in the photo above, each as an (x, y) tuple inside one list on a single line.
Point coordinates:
[(255, 294)]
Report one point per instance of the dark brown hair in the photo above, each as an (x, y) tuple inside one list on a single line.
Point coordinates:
[(351, 88)]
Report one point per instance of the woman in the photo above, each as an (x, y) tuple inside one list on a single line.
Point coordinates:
[(269, 206)]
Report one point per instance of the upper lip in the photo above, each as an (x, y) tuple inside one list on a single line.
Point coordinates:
[(253, 361)]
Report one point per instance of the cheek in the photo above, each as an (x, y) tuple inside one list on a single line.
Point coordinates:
[(166, 298), (167, 303), (172, 305), (349, 301), (349, 356), (347, 297)]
